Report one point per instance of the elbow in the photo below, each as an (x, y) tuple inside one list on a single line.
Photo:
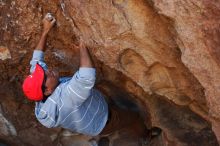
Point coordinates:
[(46, 121), (87, 73), (48, 124)]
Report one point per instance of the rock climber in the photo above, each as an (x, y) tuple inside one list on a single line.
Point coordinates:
[(71, 103)]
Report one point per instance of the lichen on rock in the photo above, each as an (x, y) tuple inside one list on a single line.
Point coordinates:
[(4, 53)]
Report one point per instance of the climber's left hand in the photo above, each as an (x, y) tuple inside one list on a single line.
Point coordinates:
[(48, 23)]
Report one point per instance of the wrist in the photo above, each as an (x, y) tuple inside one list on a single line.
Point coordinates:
[(44, 34)]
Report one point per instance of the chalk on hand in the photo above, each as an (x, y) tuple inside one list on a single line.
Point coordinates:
[(49, 16)]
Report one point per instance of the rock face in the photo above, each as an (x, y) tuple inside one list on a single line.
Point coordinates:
[(163, 55), (7, 128)]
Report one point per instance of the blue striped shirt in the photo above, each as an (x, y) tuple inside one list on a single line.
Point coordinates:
[(74, 104)]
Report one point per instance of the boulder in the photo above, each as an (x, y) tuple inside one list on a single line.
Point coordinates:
[(158, 57)]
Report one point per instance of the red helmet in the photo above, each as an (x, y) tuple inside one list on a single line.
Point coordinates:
[(32, 85)]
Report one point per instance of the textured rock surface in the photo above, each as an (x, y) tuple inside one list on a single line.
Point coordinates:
[(6, 128), (163, 55), (198, 32)]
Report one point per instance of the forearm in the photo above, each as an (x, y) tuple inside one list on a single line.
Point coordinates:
[(48, 23), (41, 44), (85, 58)]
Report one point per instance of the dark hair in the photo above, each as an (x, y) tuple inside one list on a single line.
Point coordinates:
[(43, 87), (45, 98)]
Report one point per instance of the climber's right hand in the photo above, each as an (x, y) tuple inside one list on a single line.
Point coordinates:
[(48, 23)]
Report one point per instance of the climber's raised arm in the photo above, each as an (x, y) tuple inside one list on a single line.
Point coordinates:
[(38, 54), (79, 87), (48, 23), (85, 58)]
